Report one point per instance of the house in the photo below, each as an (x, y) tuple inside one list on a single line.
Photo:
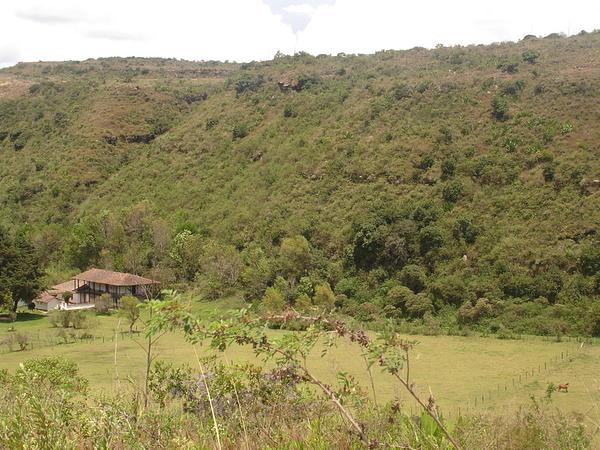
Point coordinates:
[(53, 297), (83, 289)]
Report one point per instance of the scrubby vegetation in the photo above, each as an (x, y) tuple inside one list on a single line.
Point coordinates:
[(449, 188), (46, 403)]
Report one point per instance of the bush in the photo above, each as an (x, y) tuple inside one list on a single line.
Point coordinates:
[(589, 259), (103, 303), (324, 297), (530, 56), (418, 305), (452, 191), (128, 308), (430, 238), (288, 111), (402, 91), (273, 300), (78, 319), (16, 339), (54, 317), (248, 83), (451, 290), (414, 277), (509, 67), (426, 162), (398, 296), (469, 313), (448, 167), (65, 318), (500, 109), (240, 131)]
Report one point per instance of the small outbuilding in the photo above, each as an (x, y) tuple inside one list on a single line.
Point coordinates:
[(55, 296)]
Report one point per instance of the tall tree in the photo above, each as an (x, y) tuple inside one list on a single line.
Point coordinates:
[(20, 270)]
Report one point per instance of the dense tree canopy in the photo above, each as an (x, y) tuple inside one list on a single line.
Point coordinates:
[(20, 270)]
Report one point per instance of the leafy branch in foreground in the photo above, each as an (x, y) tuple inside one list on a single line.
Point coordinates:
[(291, 350)]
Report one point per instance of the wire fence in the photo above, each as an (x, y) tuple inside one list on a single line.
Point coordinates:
[(62, 336)]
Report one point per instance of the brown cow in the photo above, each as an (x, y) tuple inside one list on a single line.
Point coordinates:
[(563, 387)]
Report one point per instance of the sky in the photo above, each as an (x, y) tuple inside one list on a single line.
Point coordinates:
[(247, 30)]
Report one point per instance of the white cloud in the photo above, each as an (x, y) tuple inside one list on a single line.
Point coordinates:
[(302, 8), (245, 30)]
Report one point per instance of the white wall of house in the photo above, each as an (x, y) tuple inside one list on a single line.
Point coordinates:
[(43, 306)]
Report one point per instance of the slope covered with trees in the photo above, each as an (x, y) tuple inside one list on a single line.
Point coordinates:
[(446, 187)]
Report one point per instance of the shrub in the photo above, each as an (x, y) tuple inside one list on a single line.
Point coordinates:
[(589, 259), (19, 339), (430, 238), (303, 303), (469, 313), (426, 162), (65, 318), (530, 56), (465, 228), (103, 303), (53, 372), (288, 111), (211, 123), (418, 305), (452, 191), (448, 167), (413, 277), (239, 131), (79, 319), (324, 297), (401, 91), (548, 172), (500, 109), (273, 300), (128, 308), (450, 289), (54, 318), (513, 89), (398, 296), (508, 67), (248, 83)]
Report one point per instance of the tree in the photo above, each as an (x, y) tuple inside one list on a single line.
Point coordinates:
[(430, 237), (20, 270), (130, 310), (398, 296), (324, 297), (273, 300), (85, 244), (414, 277), (295, 255), (419, 304)]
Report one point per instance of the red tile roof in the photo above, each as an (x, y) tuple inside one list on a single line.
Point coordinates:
[(67, 286), (56, 291), (113, 278)]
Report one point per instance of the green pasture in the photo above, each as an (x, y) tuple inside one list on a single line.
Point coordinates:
[(466, 373)]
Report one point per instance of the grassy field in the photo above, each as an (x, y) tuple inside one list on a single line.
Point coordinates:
[(456, 369)]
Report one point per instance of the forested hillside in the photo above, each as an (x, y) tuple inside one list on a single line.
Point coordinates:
[(449, 187)]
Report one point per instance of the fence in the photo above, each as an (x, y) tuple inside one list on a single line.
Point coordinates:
[(63, 336)]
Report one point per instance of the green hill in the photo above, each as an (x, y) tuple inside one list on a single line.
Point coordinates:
[(456, 184)]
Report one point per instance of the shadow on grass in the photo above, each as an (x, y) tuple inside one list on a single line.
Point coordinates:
[(21, 317)]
